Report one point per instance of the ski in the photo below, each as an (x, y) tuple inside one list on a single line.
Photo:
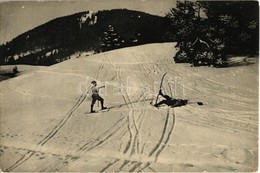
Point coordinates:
[(160, 88), (100, 111)]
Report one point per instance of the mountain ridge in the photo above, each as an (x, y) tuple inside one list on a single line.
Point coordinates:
[(58, 39)]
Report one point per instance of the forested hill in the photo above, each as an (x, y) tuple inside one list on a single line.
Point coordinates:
[(58, 39)]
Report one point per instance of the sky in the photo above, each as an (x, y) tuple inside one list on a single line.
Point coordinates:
[(17, 17)]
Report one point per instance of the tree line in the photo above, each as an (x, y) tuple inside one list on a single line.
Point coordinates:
[(207, 32)]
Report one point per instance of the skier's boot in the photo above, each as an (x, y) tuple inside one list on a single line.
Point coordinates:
[(103, 108), (102, 105)]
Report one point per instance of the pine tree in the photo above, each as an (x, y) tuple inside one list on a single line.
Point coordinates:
[(207, 31), (111, 40), (197, 40)]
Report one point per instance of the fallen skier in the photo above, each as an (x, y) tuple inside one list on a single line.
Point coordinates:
[(170, 101)]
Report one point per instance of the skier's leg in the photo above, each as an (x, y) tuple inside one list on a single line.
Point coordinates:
[(167, 97), (93, 103), (102, 102), (160, 103)]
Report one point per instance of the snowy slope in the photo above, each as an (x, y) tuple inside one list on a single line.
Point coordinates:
[(45, 124)]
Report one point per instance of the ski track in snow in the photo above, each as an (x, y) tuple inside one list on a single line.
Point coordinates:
[(56, 129), (134, 138), (136, 152)]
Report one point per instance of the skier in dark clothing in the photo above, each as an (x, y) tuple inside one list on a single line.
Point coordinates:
[(95, 96), (170, 101)]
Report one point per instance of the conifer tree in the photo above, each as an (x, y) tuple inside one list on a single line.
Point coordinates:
[(111, 40)]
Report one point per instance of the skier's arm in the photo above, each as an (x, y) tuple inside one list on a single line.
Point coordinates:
[(101, 87)]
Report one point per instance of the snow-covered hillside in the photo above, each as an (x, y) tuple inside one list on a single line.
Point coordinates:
[(45, 124)]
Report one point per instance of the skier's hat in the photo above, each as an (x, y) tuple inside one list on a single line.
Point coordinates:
[(93, 82)]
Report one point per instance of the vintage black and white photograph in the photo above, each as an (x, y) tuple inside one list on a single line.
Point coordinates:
[(129, 86)]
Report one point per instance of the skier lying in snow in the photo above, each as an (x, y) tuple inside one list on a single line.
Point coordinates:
[(170, 101), (95, 96)]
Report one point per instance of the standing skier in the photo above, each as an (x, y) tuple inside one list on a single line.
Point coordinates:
[(95, 96)]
